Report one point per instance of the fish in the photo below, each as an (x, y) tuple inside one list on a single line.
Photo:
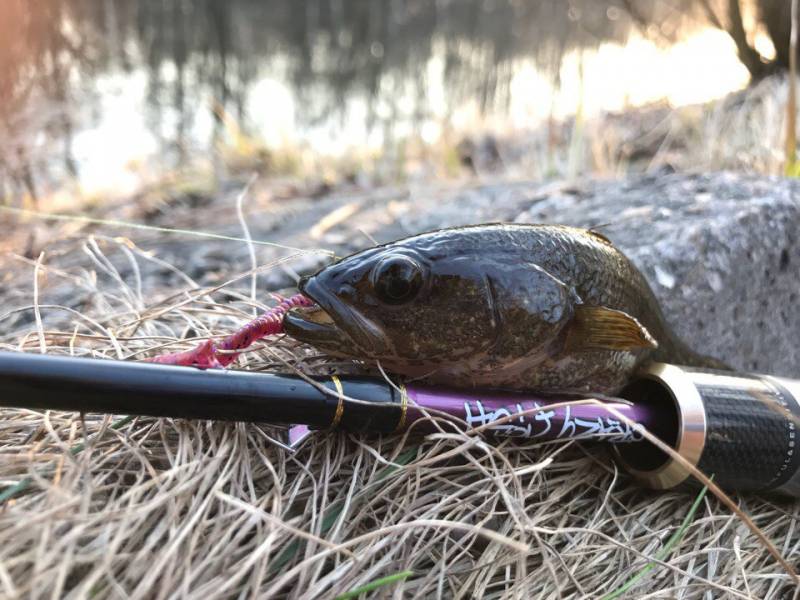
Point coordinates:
[(546, 308)]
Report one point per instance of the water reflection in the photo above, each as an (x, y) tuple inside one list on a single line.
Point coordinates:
[(87, 86)]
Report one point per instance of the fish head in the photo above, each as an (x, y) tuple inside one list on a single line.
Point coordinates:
[(429, 301)]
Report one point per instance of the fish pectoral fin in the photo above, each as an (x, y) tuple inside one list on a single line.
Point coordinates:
[(601, 328)]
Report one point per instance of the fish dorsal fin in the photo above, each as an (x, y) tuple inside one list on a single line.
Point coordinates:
[(601, 328), (594, 233)]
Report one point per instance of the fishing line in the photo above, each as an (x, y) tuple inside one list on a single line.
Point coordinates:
[(155, 228)]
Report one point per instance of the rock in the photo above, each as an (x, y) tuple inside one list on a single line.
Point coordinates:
[(483, 204), (721, 251)]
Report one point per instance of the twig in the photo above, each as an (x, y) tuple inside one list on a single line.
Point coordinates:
[(246, 230), (791, 102)]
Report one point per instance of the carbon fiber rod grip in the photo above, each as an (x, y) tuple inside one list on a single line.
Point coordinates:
[(740, 428)]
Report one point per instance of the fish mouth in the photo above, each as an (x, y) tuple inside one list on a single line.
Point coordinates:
[(331, 324), (312, 324)]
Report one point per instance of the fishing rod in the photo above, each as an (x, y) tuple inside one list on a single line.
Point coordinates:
[(353, 403), (743, 429)]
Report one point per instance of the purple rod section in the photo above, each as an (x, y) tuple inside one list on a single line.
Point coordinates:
[(500, 414)]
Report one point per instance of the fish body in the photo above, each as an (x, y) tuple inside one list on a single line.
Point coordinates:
[(511, 306)]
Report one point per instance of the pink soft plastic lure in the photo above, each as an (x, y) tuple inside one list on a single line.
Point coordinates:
[(209, 355)]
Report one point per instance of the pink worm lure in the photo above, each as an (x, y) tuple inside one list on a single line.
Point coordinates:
[(209, 355)]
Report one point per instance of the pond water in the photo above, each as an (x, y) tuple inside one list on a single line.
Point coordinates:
[(99, 92)]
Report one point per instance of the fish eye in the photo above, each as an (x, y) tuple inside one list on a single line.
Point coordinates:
[(397, 279)]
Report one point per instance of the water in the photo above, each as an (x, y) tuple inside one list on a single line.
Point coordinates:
[(102, 94)]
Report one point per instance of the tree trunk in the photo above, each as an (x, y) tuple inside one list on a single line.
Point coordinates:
[(747, 54), (776, 17)]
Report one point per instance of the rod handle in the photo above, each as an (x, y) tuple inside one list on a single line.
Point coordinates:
[(740, 428)]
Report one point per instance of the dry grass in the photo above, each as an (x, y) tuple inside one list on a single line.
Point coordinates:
[(161, 508), (745, 131)]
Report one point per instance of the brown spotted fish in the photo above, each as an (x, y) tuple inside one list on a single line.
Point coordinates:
[(524, 307)]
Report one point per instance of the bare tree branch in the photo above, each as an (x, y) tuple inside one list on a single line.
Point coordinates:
[(641, 21), (734, 27), (749, 56), (711, 15)]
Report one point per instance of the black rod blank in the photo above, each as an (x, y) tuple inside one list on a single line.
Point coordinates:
[(121, 387)]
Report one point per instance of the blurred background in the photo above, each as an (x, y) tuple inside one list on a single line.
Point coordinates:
[(108, 97), (165, 164)]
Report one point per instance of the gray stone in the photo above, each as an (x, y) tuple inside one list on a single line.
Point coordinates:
[(720, 250)]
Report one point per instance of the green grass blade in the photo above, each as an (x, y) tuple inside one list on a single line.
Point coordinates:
[(665, 549), (25, 483), (373, 585)]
